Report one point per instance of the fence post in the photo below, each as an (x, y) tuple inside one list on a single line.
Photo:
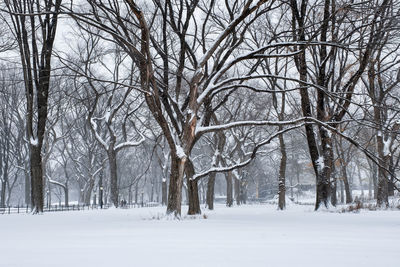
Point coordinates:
[(18, 208), (8, 209)]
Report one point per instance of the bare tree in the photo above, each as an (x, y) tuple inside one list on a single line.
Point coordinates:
[(34, 24)]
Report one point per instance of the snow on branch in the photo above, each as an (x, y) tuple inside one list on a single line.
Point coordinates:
[(252, 156), (98, 137), (221, 127), (55, 182), (130, 143)]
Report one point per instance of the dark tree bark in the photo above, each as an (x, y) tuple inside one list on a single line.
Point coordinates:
[(220, 139), (175, 185), (334, 186), (322, 155), (36, 65), (112, 160), (229, 189), (347, 188), (193, 190), (237, 190), (282, 175), (210, 191)]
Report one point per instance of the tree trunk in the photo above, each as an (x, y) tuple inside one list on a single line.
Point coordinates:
[(136, 192), (3, 194), (383, 179), (88, 192), (193, 190), (164, 195), (66, 197), (27, 188), (334, 187), (341, 192), (37, 179), (210, 191), (360, 180), (229, 189), (194, 203), (282, 175), (237, 191), (101, 189), (392, 179), (152, 193), (175, 185), (347, 188), (382, 192), (112, 160)]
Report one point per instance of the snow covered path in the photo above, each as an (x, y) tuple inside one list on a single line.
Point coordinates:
[(239, 236)]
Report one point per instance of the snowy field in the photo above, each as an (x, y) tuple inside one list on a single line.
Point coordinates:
[(256, 235)]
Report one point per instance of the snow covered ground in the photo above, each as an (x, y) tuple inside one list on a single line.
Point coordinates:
[(255, 235)]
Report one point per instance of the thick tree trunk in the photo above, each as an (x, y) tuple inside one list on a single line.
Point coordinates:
[(194, 203), (88, 192), (392, 179), (112, 160), (383, 176), (382, 190), (36, 179), (193, 190), (175, 185), (66, 197), (324, 170), (210, 191), (282, 175), (229, 189), (375, 180)]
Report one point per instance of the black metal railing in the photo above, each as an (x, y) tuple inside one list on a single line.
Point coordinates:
[(74, 207)]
